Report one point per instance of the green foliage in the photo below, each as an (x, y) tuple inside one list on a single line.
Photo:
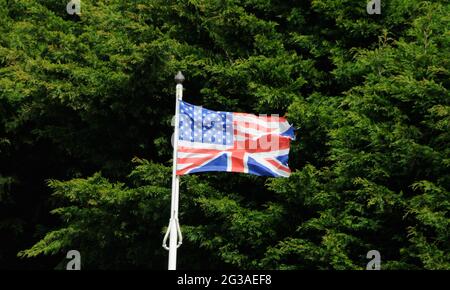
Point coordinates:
[(101, 218), (369, 95)]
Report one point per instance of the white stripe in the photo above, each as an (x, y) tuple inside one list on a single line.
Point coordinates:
[(246, 163), (256, 132), (243, 138), (192, 155), (270, 154), (228, 162), (181, 166), (197, 145)]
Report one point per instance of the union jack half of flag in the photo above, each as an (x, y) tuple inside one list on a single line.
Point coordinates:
[(233, 142)]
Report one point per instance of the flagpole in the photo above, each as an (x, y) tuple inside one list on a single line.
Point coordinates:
[(173, 230)]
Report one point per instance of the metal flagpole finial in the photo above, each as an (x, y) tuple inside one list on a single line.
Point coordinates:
[(179, 78)]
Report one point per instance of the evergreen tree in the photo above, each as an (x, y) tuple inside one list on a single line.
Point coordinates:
[(83, 95)]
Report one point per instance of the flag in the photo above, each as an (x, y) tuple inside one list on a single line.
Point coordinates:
[(232, 142)]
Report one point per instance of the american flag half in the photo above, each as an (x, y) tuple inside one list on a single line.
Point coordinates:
[(233, 142)]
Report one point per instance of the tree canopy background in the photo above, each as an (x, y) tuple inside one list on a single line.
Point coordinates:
[(85, 109)]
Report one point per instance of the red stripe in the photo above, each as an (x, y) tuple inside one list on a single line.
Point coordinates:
[(237, 161), (198, 150), (283, 143), (278, 165), (197, 162), (241, 124)]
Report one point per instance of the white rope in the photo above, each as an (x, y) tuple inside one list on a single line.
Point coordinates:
[(166, 236)]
